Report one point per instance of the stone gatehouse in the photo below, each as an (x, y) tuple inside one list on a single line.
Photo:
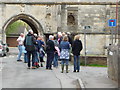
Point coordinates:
[(51, 18)]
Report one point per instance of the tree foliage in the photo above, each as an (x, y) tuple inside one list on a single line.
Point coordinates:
[(13, 28)]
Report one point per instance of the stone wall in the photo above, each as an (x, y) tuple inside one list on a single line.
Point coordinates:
[(54, 18), (113, 63), (38, 12), (93, 16), (95, 44)]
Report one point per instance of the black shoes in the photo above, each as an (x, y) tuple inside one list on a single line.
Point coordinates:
[(75, 71), (19, 60), (50, 69), (28, 68), (37, 66), (25, 62), (33, 67), (41, 65)]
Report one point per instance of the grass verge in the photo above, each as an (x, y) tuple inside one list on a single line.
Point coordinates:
[(94, 65)]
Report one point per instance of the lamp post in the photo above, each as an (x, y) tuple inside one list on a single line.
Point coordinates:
[(86, 29), (85, 45)]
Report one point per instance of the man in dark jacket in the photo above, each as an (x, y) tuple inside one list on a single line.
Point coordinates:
[(50, 49), (76, 49), (69, 38), (29, 43)]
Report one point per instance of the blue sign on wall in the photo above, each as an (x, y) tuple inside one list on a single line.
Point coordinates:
[(112, 22)]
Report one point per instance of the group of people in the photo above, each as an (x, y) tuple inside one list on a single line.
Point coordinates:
[(57, 47), (32, 46)]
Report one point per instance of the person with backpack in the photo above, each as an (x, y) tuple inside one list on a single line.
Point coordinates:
[(29, 44)]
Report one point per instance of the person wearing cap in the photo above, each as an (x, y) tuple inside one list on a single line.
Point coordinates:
[(29, 44), (20, 41)]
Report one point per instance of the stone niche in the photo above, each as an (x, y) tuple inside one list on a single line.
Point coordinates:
[(72, 19)]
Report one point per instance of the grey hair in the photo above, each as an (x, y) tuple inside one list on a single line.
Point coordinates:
[(21, 34), (59, 33), (30, 31), (51, 37), (35, 35)]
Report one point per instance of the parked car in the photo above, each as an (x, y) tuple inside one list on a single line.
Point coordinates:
[(3, 49)]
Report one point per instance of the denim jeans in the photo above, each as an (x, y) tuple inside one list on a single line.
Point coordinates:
[(65, 61), (20, 52), (36, 56), (25, 57), (77, 62), (55, 63)]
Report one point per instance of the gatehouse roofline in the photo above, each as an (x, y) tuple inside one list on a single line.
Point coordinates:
[(60, 2)]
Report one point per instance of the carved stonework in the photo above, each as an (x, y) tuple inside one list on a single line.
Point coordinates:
[(22, 9)]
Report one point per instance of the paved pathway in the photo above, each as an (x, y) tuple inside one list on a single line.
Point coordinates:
[(13, 50), (92, 77), (16, 75)]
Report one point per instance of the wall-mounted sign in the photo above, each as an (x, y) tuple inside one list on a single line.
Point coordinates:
[(112, 22)]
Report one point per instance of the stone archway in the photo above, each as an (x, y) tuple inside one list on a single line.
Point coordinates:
[(30, 20)]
